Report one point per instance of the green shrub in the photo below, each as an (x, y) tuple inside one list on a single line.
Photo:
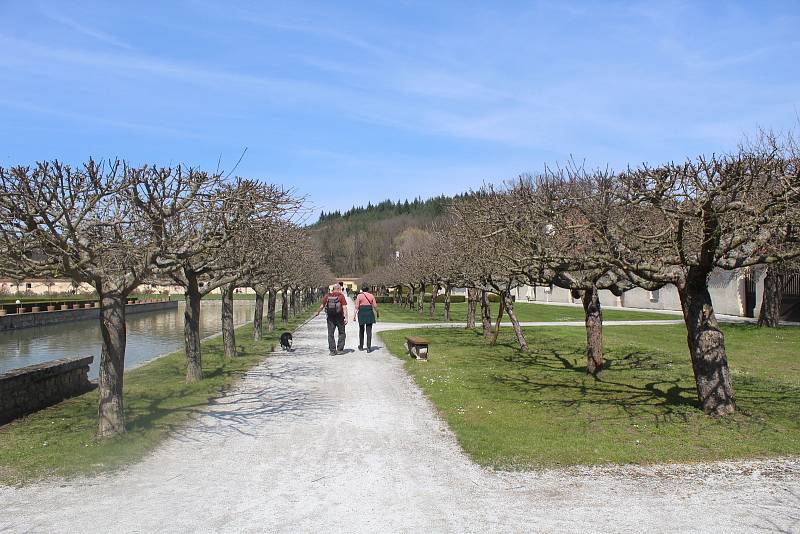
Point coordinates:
[(494, 297), (440, 298)]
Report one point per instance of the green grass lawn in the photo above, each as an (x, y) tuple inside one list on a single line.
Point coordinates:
[(516, 410), (60, 440), (526, 312)]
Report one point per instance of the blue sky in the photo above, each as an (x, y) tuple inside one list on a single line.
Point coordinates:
[(357, 102)]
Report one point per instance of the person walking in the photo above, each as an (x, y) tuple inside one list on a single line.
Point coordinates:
[(366, 311), (335, 306)]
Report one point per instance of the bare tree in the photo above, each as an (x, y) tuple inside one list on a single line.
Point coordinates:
[(294, 263), (678, 222), (87, 223), (207, 250), (248, 260), (485, 258), (551, 245)]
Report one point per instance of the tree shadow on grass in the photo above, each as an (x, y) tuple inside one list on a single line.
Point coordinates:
[(656, 397), (634, 386), (549, 359), (559, 377)]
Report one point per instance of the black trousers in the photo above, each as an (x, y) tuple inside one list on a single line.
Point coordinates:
[(361, 328), (335, 323)]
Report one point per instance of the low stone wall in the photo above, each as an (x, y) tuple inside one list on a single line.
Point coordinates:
[(44, 318), (29, 389)]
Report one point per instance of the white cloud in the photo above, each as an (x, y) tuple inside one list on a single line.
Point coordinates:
[(98, 35), (97, 119)]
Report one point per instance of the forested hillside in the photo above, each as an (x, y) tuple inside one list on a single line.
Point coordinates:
[(362, 238)]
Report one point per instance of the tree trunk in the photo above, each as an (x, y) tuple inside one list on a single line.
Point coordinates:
[(772, 298), (111, 417), (448, 289), (434, 294), (706, 346), (594, 331), (228, 334), (499, 318), (508, 304), (285, 307), (421, 299), (295, 303), (258, 317), (472, 303), (486, 317), (191, 331), (272, 296)]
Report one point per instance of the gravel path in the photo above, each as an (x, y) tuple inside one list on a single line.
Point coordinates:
[(313, 443)]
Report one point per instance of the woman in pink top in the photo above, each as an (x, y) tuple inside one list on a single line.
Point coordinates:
[(366, 311)]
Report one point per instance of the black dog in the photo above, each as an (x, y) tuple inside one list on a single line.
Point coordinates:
[(286, 341)]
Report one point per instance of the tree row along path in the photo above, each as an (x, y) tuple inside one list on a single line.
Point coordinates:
[(310, 442)]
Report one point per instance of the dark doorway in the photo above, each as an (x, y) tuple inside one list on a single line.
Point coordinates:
[(790, 307), (749, 296)]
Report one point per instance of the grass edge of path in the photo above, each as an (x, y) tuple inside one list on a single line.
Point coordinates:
[(59, 441), (471, 401)]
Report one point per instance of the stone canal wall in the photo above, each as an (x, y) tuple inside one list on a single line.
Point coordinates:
[(44, 318), (29, 389)]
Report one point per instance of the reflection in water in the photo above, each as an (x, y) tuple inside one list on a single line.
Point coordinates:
[(149, 334)]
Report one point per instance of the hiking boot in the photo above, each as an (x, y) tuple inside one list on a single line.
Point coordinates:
[(333, 353)]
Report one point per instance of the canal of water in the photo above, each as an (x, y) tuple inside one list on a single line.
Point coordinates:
[(150, 334)]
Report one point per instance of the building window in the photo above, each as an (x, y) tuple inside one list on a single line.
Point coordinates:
[(28, 285), (654, 295)]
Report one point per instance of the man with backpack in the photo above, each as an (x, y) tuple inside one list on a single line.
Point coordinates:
[(335, 306)]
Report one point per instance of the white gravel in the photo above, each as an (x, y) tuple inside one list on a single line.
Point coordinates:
[(313, 443)]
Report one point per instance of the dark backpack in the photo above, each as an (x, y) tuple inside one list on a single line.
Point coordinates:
[(333, 306)]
